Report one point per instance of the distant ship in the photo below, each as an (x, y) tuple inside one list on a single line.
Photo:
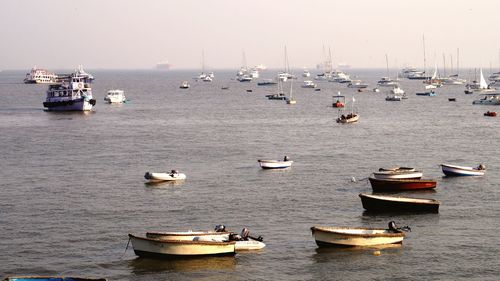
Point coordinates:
[(164, 65), (40, 76)]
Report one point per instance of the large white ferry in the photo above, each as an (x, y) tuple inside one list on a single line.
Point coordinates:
[(40, 76), (74, 94)]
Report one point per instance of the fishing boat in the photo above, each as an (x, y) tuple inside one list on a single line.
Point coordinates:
[(185, 85), (383, 203), (488, 99), (51, 278), (326, 236), (398, 173), (70, 95), (150, 247), (401, 184), (490, 113), (275, 164), (174, 175), (350, 117), (115, 96), (244, 241), (338, 101), (454, 170)]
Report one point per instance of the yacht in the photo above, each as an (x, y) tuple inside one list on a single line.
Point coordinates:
[(115, 96), (245, 78), (357, 84), (386, 82), (40, 76), (73, 94)]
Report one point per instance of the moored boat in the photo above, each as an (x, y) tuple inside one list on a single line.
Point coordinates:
[(382, 203), (149, 247), (398, 174), (349, 118), (71, 95), (184, 85), (454, 170), (275, 164), (338, 101), (351, 237), (401, 184), (51, 278), (490, 113), (174, 175), (115, 96)]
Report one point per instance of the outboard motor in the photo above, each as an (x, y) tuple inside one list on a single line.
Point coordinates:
[(245, 233), (147, 176), (220, 228), (235, 237), (394, 228)]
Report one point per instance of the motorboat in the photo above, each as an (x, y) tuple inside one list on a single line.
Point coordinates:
[(115, 96), (275, 164), (430, 93), (383, 203), (174, 175), (349, 118), (454, 170), (386, 82), (40, 76), (490, 113), (397, 94), (488, 99), (326, 236), (376, 90), (185, 85), (277, 96), (338, 101), (244, 241), (245, 78), (308, 84), (401, 184), (399, 173), (151, 247), (306, 73), (51, 278), (73, 94), (357, 84)]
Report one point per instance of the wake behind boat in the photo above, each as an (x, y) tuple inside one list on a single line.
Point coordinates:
[(454, 170), (275, 164)]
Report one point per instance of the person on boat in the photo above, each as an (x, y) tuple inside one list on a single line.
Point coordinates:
[(286, 158), (481, 167), (174, 173)]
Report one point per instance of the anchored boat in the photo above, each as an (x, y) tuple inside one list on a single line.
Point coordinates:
[(454, 170), (174, 175), (275, 164), (401, 184), (382, 203)]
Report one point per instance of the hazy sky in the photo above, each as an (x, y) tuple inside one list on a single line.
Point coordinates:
[(138, 34)]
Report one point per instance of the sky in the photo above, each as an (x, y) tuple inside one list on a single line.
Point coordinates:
[(133, 34)]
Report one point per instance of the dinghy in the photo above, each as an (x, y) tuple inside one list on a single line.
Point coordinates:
[(174, 175), (398, 173), (454, 170), (382, 203), (351, 237), (149, 247), (401, 184), (275, 164)]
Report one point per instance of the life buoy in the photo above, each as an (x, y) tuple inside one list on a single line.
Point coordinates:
[(80, 85)]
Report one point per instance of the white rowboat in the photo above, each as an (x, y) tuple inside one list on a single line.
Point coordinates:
[(454, 170), (350, 237), (274, 164), (172, 176), (398, 174)]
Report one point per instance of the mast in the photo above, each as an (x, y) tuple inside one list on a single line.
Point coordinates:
[(423, 41), (458, 56), (451, 63), (202, 61), (387, 65), (444, 66), (286, 61), (330, 62)]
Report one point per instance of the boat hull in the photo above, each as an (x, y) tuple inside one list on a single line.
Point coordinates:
[(457, 171), (401, 184), (376, 203), (147, 247), (352, 119), (273, 164), (397, 175), (70, 105), (354, 237)]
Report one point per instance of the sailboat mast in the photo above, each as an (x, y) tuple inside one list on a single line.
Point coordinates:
[(458, 57), (423, 42), (330, 62), (387, 64), (444, 65), (202, 61), (451, 64), (286, 62)]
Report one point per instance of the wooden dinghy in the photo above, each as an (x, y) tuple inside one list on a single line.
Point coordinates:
[(398, 173), (454, 170), (51, 278), (401, 184), (149, 247), (275, 164), (382, 203), (352, 237)]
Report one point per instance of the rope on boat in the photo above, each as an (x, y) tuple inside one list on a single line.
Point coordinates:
[(128, 242), (353, 179)]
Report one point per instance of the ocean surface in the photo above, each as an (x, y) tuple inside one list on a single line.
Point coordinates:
[(72, 184)]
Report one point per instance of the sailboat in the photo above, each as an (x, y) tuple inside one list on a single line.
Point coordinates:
[(482, 86), (290, 99), (349, 118), (280, 95), (386, 81), (204, 76)]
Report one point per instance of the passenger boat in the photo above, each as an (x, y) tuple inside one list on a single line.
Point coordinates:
[(185, 85), (454, 170), (115, 96), (52, 278), (72, 95), (350, 237), (382, 203), (401, 184), (488, 99), (243, 241), (275, 164), (40, 76), (149, 247), (398, 173), (174, 175)]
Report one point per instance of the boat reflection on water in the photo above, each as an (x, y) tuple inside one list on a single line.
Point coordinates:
[(354, 254), (144, 265), (163, 184)]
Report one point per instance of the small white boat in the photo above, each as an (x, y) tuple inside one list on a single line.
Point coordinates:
[(184, 85), (275, 164), (308, 84), (115, 96), (376, 90), (172, 176), (306, 73), (350, 237), (149, 247), (454, 170), (398, 173)]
